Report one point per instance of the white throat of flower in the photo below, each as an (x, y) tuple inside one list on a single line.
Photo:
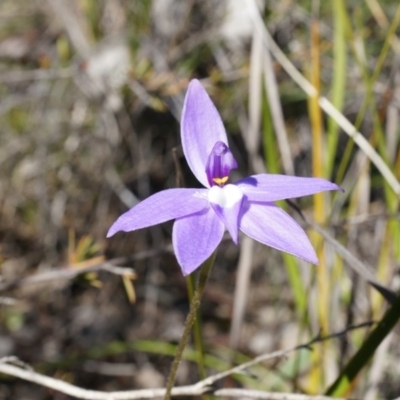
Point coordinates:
[(225, 197)]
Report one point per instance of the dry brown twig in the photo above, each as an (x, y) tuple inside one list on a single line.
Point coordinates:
[(69, 272), (36, 74), (7, 301), (72, 271), (206, 385), (258, 394)]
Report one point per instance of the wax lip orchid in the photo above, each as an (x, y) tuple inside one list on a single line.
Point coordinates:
[(202, 215)]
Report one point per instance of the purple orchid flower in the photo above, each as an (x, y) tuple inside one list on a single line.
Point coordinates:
[(202, 215)]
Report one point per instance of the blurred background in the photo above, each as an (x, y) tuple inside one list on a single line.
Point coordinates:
[(90, 99)]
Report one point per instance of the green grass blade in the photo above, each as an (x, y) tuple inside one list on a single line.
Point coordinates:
[(344, 383), (338, 80), (271, 155)]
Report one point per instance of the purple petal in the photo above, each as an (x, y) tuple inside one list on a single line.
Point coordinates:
[(227, 203), (195, 238), (160, 207), (266, 188), (272, 226), (201, 129)]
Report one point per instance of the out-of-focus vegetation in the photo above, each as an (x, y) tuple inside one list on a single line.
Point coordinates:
[(90, 99)]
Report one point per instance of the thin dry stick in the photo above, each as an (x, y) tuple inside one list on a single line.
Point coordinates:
[(241, 289), (193, 390), (7, 301), (358, 266), (377, 370), (119, 188), (205, 270), (324, 103), (271, 87), (258, 394), (252, 140), (36, 74), (80, 393), (278, 354), (71, 271), (379, 15), (67, 273), (72, 25)]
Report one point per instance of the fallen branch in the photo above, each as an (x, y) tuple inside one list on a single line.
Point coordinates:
[(193, 390), (36, 74), (69, 272), (72, 271), (258, 394), (204, 386)]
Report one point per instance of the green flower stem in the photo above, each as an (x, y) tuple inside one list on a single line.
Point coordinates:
[(194, 306), (198, 341)]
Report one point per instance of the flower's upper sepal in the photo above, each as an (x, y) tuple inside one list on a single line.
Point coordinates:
[(219, 164), (201, 129)]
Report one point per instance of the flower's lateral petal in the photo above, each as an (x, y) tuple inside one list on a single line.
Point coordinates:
[(267, 188), (195, 238), (272, 226), (161, 207), (227, 202), (201, 128)]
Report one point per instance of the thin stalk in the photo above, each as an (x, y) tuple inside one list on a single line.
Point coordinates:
[(397, 165), (344, 383), (198, 341), (271, 156), (369, 81), (384, 269), (339, 80), (205, 269), (323, 289)]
